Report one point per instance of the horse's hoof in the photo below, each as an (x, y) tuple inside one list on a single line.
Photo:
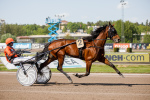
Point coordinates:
[(122, 75), (79, 77), (76, 74), (71, 82)]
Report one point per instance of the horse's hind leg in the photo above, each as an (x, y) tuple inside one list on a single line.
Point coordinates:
[(104, 60), (60, 64)]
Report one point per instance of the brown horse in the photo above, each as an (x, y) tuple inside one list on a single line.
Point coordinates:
[(93, 50)]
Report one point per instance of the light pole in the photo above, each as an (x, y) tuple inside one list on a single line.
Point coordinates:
[(122, 22), (59, 18)]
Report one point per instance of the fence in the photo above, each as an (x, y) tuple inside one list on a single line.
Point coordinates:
[(108, 46)]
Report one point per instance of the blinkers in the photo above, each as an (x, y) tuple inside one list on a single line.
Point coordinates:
[(112, 32)]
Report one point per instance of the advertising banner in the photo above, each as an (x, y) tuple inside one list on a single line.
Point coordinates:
[(22, 45), (127, 57), (2, 45), (37, 45), (122, 45), (68, 63), (109, 45), (7, 64), (139, 46)]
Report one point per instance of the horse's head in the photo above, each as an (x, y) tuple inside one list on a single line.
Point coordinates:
[(112, 34)]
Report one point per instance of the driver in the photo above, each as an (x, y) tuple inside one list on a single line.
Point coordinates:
[(10, 53)]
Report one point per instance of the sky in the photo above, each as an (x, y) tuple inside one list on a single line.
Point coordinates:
[(36, 11)]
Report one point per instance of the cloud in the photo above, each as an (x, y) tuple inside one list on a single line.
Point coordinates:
[(125, 6)]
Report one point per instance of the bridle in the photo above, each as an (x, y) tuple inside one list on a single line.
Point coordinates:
[(111, 32)]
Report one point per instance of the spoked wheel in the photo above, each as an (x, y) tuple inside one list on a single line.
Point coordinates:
[(44, 76), (30, 77)]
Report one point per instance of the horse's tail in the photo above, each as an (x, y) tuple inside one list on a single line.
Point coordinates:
[(43, 54), (46, 47)]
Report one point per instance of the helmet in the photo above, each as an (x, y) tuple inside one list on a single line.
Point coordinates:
[(9, 40)]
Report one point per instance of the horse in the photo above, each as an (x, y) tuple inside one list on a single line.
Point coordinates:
[(93, 50)]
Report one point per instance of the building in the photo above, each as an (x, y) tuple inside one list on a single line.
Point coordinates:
[(64, 22), (142, 35), (31, 38)]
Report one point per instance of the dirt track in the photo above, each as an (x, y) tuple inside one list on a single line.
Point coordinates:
[(93, 87)]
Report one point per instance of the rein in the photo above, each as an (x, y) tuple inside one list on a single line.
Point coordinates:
[(70, 44)]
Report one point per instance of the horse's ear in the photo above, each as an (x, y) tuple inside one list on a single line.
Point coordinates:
[(109, 23)]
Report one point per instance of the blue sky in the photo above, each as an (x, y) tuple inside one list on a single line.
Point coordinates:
[(35, 11)]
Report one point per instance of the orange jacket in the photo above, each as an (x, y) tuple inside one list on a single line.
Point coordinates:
[(9, 52)]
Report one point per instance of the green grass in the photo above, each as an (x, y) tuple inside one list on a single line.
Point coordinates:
[(107, 69), (100, 69), (3, 68)]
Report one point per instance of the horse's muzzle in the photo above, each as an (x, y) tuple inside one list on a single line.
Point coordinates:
[(116, 40)]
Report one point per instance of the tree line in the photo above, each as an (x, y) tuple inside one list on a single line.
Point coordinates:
[(132, 31)]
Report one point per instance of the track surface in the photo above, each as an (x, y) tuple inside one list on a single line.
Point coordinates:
[(94, 87)]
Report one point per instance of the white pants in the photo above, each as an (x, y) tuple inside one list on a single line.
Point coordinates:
[(22, 59)]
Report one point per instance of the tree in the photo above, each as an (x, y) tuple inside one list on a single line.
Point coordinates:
[(73, 27), (90, 24), (99, 23), (142, 23), (5, 36), (64, 29), (146, 38), (130, 32), (146, 22), (89, 30), (118, 27)]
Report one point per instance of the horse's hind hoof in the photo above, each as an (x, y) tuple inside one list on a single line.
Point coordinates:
[(70, 81), (76, 74), (121, 75)]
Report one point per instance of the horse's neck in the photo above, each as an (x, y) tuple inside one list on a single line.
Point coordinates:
[(102, 39)]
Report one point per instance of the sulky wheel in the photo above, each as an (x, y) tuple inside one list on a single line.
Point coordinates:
[(30, 77), (44, 76)]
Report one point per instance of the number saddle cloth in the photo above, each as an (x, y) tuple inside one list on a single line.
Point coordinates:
[(80, 46)]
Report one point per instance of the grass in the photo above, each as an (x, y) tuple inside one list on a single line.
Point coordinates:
[(100, 69), (107, 69)]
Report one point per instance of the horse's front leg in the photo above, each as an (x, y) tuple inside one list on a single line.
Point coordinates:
[(88, 68), (104, 60)]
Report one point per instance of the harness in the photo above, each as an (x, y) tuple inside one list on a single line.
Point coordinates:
[(111, 33)]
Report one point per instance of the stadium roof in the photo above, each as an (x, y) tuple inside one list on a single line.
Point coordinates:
[(47, 36)]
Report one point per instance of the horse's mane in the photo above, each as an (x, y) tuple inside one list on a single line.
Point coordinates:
[(95, 33)]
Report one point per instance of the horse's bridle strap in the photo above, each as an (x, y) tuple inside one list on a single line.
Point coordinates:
[(96, 47)]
